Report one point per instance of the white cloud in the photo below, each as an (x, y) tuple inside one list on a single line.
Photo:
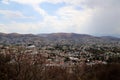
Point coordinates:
[(19, 27), (33, 2), (3, 28), (13, 14), (5, 1), (66, 17), (106, 19), (70, 17), (36, 4), (95, 17), (40, 10)]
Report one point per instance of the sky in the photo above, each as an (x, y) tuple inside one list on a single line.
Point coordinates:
[(95, 17)]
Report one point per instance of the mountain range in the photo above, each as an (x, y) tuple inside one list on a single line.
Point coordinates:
[(15, 38)]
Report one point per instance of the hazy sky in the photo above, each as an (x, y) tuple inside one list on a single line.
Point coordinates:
[(97, 17)]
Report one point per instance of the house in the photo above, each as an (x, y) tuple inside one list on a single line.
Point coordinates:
[(31, 46)]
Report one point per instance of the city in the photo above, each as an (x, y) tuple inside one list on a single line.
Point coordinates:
[(61, 52)]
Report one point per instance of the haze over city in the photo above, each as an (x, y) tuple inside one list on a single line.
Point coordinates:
[(95, 17)]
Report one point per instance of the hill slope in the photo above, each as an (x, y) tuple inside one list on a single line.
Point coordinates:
[(15, 38)]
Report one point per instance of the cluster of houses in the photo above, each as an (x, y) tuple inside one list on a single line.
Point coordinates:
[(60, 56)]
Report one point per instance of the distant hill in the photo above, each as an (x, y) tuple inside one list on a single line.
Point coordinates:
[(65, 35), (74, 36), (15, 38)]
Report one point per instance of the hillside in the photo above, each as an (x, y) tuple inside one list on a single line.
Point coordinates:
[(15, 38)]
